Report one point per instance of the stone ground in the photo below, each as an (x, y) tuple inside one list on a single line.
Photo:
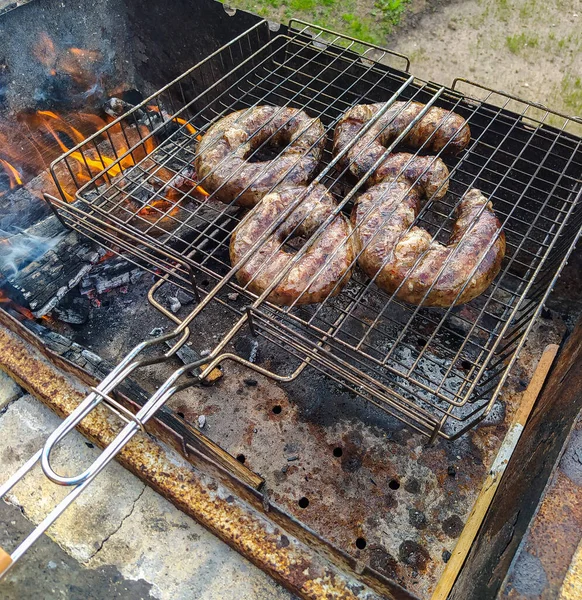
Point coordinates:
[(119, 540)]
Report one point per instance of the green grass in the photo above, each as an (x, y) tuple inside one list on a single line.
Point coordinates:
[(392, 10), (367, 20), (517, 43), (358, 29), (302, 5), (527, 10), (503, 9)]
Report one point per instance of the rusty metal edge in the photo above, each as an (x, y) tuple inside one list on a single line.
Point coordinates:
[(557, 517), (542, 443), (276, 543)]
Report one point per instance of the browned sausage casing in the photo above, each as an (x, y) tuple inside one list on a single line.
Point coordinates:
[(429, 174), (390, 251), (324, 268), (438, 129), (222, 161)]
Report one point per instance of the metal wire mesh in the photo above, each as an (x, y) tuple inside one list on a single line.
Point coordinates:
[(439, 370)]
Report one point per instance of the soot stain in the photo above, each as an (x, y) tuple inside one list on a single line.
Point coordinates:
[(412, 486), (390, 501), (453, 526), (414, 555), (417, 518), (383, 562)]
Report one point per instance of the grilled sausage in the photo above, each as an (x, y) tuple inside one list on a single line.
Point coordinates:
[(324, 268), (407, 261), (428, 173), (222, 162), (437, 130)]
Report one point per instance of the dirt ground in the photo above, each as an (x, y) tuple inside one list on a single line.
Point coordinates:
[(530, 48)]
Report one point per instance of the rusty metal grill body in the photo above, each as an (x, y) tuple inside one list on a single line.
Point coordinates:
[(438, 370)]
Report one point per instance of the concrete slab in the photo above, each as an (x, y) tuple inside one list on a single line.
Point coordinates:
[(9, 390), (47, 571), (97, 514), (122, 538), (181, 559)]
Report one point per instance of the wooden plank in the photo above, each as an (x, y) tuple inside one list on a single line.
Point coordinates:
[(493, 479), (5, 560)]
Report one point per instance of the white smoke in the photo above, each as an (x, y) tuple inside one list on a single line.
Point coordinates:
[(18, 249)]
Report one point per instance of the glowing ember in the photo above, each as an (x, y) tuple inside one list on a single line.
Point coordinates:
[(158, 208), (4, 299)]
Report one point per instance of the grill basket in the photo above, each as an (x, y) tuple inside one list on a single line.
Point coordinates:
[(438, 370)]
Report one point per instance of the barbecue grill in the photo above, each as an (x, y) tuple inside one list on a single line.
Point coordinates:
[(438, 370)]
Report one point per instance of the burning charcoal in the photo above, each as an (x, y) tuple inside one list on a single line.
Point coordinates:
[(175, 304), (115, 107), (188, 356), (73, 310), (184, 298), (109, 275)]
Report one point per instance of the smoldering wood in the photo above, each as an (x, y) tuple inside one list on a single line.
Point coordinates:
[(113, 273), (73, 310), (43, 282), (89, 361), (21, 208)]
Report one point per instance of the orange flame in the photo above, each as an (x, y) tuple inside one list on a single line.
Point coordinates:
[(188, 126), (46, 52), (14, 176), (46, 135), (4, 299), (91, 161), (78, 63)]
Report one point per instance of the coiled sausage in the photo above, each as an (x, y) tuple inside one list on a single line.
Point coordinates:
[(391, 248), (222, 163), (437, 130), (324, 268)]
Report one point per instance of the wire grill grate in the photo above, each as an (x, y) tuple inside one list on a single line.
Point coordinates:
[(439, 370)]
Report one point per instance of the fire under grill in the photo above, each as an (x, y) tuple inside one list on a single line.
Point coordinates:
[(438, 370)]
